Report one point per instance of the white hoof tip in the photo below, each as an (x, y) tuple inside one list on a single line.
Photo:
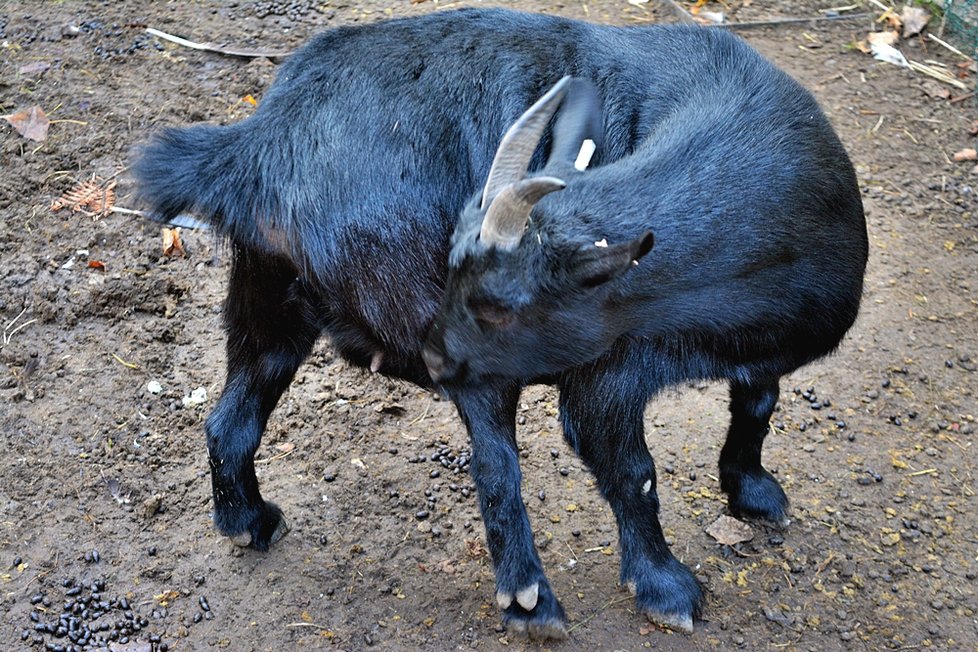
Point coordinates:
[(242, 540), (527, 598), (504, 599), (677, 622)]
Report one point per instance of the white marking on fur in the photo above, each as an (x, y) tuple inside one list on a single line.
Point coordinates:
[(647, 487), (603, 242), (528, 597), (585, 154)]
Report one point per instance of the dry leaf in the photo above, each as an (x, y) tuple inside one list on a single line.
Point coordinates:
[(166, 597), (914, 20), (728, 531), (30, 123), (966, 155), (96, 264), (287, 447), (884, 38), (248, 99), (93, 197), (172, 246)]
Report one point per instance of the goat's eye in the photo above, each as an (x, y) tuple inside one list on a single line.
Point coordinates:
[(492, 314)]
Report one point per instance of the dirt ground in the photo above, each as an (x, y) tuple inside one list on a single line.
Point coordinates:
[(103, 480)]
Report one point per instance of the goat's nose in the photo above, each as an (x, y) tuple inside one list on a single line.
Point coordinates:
[(435, 362)]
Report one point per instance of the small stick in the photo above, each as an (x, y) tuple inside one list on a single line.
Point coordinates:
[(681, 12), (211, 47), (130, 365), (961, 98), (789, 21), (948, 46), (937, 74)]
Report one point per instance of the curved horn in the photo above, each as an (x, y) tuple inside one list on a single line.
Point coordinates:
[(520, 141), (509, 212)]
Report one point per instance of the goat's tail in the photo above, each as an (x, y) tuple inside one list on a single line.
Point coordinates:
[(204, 171)]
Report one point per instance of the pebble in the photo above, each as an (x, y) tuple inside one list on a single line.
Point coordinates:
[(422, 514)]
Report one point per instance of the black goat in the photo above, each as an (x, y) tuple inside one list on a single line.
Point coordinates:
[(340, 195), (757, 268)]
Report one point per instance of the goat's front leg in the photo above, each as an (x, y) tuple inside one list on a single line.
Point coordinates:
[(602, 407), (271, 328), (522, 590), (752, 491)]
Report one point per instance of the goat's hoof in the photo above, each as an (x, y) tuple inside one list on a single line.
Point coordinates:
[(242, 540), (280, 530), (533, 611), (756, 497), (553, 628), (526, 597), (666, 592), (678, 622)]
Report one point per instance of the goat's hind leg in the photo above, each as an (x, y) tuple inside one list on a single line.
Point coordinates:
[(602, 407), (271, 328), (522, 589), (752, 491)]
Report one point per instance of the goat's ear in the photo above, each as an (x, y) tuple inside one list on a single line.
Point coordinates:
[(599, 263)]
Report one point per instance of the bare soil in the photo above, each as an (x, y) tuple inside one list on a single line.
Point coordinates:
[(104, 481)]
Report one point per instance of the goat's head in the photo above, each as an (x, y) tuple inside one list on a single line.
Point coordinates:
[(524, 298)]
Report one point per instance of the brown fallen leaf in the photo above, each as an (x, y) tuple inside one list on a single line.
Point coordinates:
[(728, 530), (966, 155), (30, 123), (914, 20), (287, 447), (172, 246), (883, 38), (96, 264)]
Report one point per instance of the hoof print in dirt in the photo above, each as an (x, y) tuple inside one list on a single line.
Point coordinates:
[(533, 611)]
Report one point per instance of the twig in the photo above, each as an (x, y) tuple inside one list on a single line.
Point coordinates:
[(130, 365), (314, 625), (275, 457), (603, 607), (213, 47), (681, 13), (788, 21), (125, 211), (939, 75), (948, 46), (961, 98)]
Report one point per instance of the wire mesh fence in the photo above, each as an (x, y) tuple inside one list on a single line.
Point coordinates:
[(961, 23)]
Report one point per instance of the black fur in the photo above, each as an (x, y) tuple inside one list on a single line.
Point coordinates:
[(760, 246), (339, 198)]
